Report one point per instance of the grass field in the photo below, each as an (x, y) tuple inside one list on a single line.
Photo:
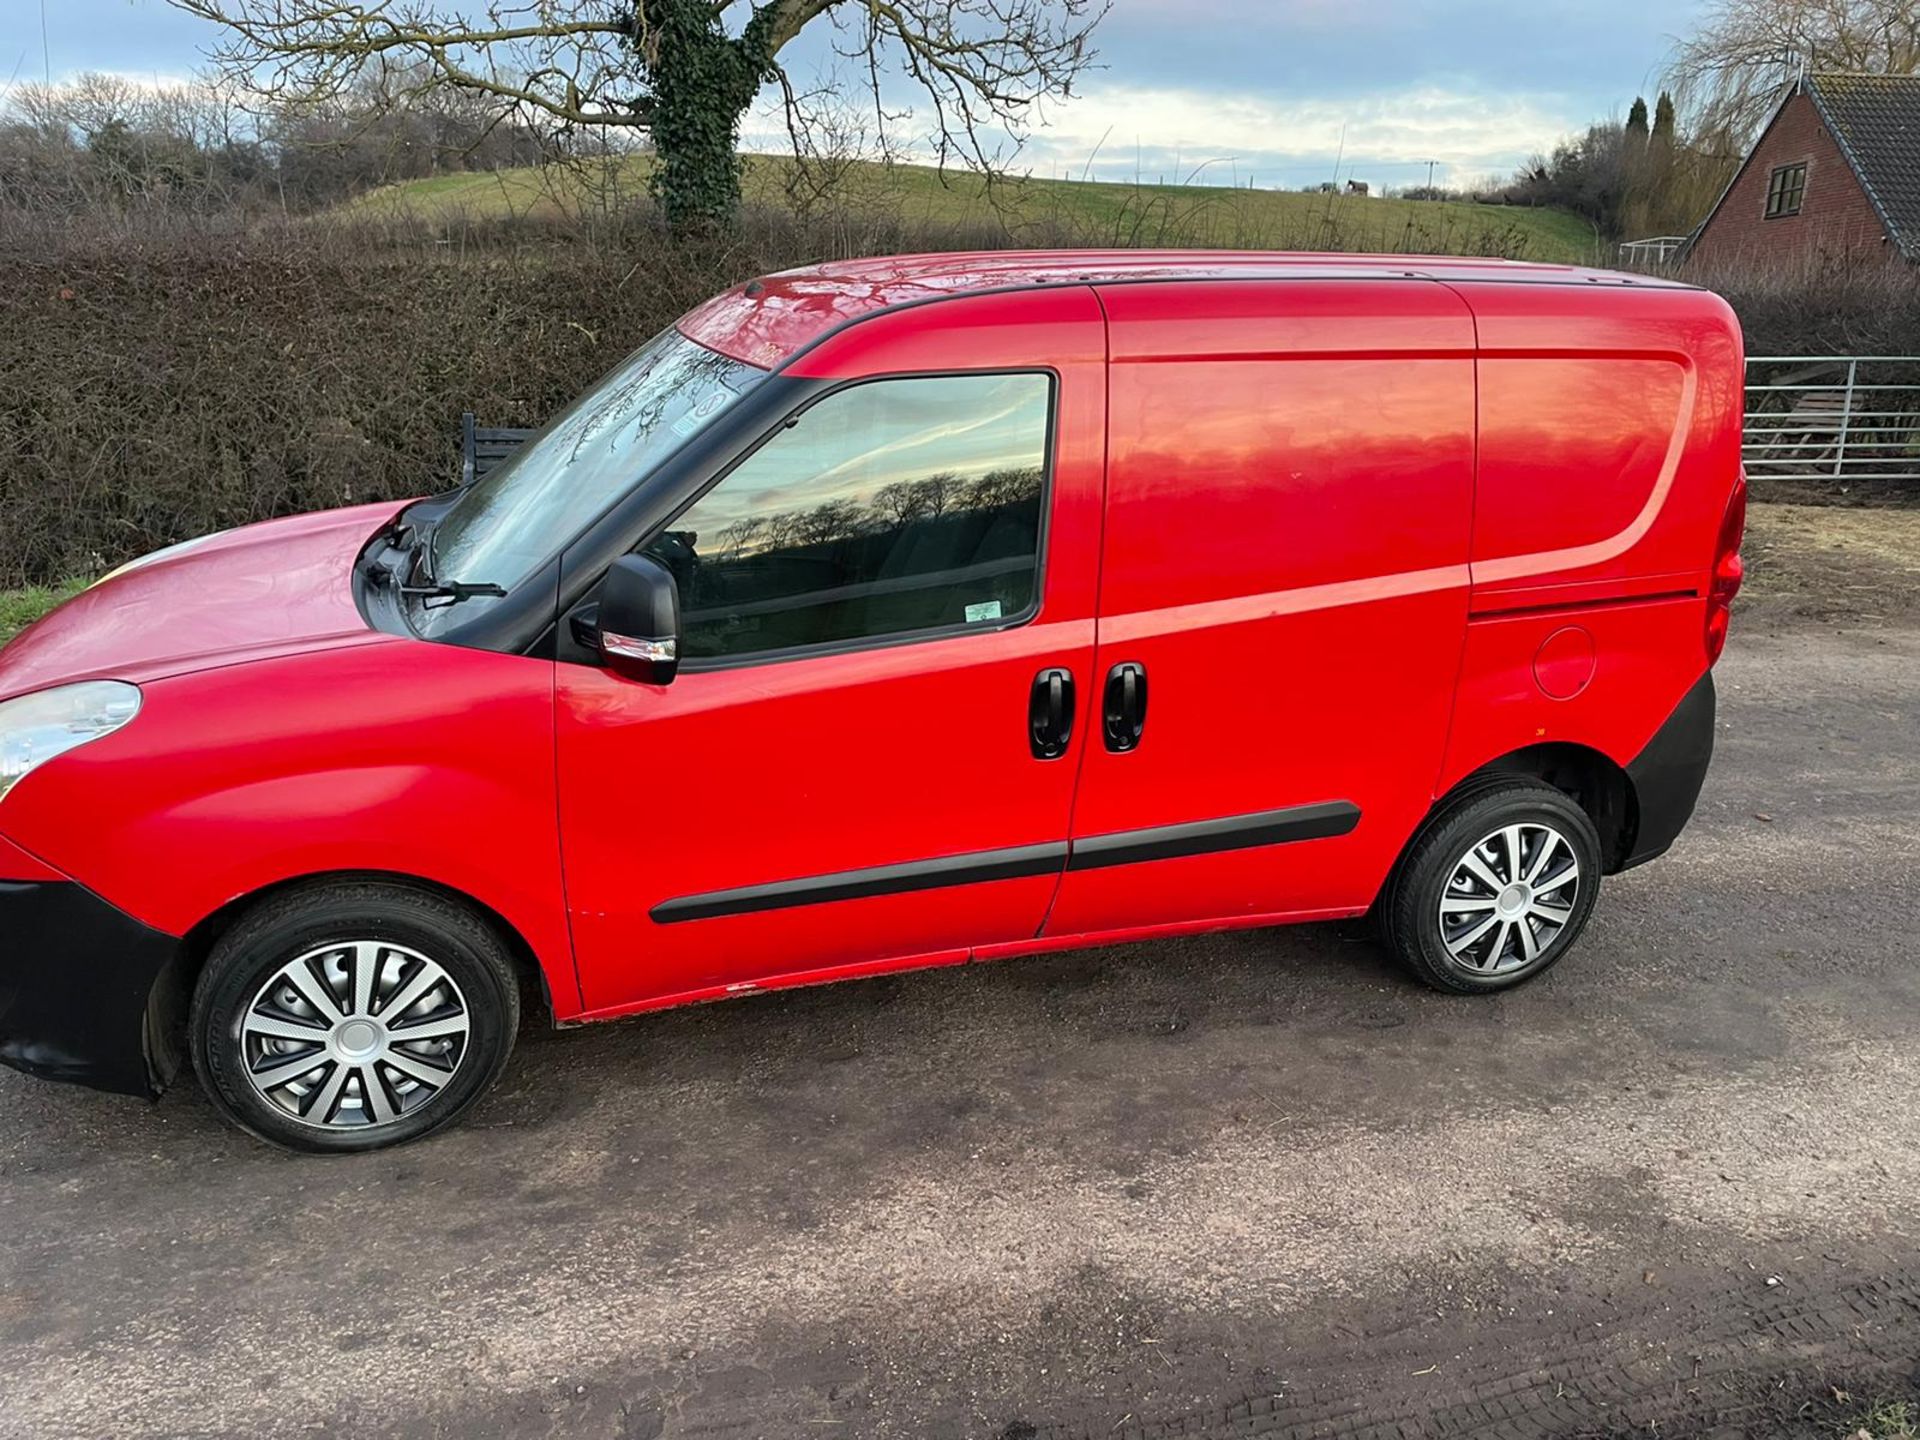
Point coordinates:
[(20, 608), (1042, 211)]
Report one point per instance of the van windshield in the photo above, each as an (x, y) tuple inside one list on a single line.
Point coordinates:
[(513, 519)]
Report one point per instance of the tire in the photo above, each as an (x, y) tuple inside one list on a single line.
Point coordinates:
[(1493, 934), (261, 1007)]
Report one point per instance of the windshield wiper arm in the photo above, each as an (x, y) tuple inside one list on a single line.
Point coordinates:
[(454, 591)]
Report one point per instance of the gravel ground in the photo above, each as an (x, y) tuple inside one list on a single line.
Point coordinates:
[(1251, 1184)]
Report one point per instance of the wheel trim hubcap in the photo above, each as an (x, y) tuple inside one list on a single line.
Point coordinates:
[(357, 1041), (1509, 899), (355, 1034)]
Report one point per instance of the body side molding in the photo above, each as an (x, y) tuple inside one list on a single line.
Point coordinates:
[(1205, 837), (1126, 847), (971, 869)]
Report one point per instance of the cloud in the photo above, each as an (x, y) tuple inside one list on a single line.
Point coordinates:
[(147, 80), (1398, 130), (1385, 136)]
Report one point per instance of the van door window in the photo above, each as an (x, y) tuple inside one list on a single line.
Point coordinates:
[(888, 508)]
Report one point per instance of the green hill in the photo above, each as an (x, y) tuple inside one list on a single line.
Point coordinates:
[(1037, 211)]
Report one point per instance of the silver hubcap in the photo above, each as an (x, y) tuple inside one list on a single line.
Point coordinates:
[(1509, 898), (355, 1034)]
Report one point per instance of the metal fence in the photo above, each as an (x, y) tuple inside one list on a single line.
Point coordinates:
[(1833, 417), (1654, 251)]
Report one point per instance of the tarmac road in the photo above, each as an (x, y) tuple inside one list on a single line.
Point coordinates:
[(1247, 1184)]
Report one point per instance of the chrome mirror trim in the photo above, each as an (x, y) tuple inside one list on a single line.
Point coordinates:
[(627, 647)]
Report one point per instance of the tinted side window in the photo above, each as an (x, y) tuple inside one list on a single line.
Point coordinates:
[(889, 507)]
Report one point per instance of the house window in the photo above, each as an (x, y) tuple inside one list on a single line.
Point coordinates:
[(1786, 188)]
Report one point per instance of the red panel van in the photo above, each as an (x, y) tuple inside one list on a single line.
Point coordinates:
[(884, 614)]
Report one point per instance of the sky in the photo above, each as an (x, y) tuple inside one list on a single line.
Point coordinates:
[(1273, 92)]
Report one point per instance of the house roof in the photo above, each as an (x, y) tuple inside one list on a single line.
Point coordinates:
[(1876, 120)]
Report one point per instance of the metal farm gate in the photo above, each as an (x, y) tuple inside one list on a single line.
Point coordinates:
[(1833, 417)]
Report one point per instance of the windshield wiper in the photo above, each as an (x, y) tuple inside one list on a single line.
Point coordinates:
[(454, 591)]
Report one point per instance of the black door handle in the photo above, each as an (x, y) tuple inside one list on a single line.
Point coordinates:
[(1050, 714), (1125, 710)]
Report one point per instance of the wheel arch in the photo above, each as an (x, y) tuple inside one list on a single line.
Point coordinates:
[(1593, 780), (172, 993)]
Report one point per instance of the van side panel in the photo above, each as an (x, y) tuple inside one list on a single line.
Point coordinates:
[(1609, 438), (1571, 451), (1289, 487), (1609, 446)]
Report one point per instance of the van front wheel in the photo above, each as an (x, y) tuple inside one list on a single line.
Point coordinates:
[(1496, 891), (353, 1016)]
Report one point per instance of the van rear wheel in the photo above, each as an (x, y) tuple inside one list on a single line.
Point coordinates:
[(352, 1017), (1496, 890)]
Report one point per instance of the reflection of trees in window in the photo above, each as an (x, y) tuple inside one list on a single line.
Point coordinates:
[(894, 508), (741, 537), (906, 501), (640, 405), (1001, 489), (919, 554)]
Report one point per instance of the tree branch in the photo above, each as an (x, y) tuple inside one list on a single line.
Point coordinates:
[(986, 66)]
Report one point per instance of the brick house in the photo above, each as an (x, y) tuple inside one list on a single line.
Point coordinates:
[(1835, 173)]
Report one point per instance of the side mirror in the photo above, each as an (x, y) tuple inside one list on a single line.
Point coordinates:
[(640, 620)]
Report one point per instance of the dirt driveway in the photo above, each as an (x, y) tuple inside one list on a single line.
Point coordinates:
[(1252, 1184)]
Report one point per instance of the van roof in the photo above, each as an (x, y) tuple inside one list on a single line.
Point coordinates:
[(766, 321)]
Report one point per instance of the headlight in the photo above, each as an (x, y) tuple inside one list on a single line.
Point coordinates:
[(35, 728)]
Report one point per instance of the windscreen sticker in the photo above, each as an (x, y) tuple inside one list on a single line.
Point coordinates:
[(984, 610), (704, 409)]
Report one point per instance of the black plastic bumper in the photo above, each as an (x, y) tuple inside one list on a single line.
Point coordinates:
[(77, 978), (1668, 774)]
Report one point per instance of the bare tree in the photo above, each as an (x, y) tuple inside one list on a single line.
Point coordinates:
[(102, 139), (900, 503), (682, 71), (1732, 69)]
